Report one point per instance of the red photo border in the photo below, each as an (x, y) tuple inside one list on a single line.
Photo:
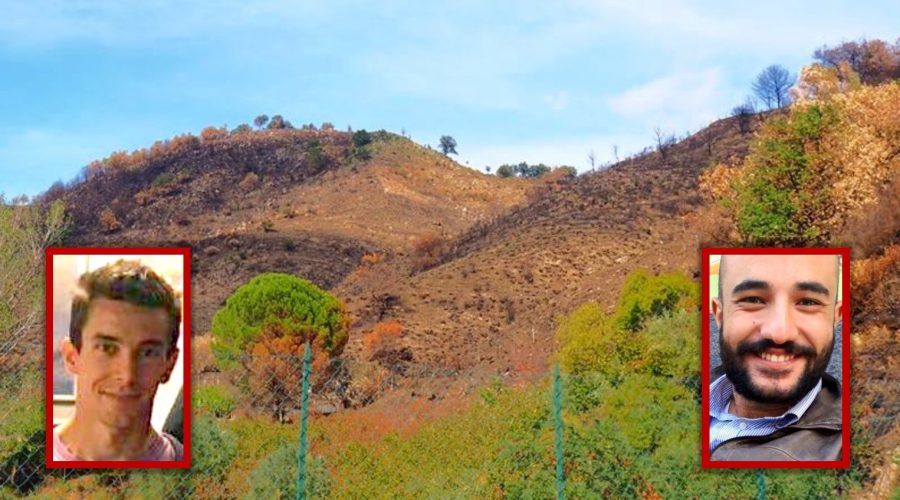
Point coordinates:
[(185, 462), (844, 462)]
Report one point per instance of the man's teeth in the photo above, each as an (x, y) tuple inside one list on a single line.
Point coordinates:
[(778, 358)]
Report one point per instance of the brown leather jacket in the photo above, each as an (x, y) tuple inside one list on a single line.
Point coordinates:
[(816, 436)]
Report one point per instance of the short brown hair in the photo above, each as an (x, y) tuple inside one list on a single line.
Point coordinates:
[(125, 280)]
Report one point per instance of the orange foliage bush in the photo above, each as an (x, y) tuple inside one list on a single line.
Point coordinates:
[(869, 229), (370, 258), (213, 133), (202, 359), (428, 250), (276, 370), (143, 198), (385, 336), (180, 142), (109, 223), (249, 182), (118, 160), (868, 276)]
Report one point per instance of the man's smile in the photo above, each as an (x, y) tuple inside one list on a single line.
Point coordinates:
[(777, 358), (123, 397)]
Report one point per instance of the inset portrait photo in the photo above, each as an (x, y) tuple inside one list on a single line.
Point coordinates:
[(775, 372), (118, 357)]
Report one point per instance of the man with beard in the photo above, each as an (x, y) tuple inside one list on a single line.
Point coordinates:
[(776, 315), (121, 346)]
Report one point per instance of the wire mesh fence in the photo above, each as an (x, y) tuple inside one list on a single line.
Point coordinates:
[(630, 436)]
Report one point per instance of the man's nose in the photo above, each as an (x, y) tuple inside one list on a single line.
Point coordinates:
[(127, 369), (779, 325)]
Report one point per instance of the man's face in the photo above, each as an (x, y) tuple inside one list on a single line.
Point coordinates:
[(777, 315), (124, 357)]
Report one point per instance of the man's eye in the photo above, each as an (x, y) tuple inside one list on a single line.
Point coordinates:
[(107, 348), (151, 352), (751, 300), (809, 302)]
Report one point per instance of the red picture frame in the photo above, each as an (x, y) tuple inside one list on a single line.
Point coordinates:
[(185, 462), (844, 462)]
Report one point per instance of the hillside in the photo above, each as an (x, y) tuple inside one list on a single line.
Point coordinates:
[(504, 282), (297, 201), (447, 249)]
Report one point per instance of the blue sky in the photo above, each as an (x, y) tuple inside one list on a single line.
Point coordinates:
[(511, 81)]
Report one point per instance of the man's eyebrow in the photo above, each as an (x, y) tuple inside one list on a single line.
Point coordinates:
[(745, 285), (812, 286), (108, 338)]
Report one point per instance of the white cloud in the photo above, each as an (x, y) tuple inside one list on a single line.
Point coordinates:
[(774, 27), (682, 99)]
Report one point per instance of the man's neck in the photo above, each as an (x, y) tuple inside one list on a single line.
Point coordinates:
[(746, 408), (91, 440)]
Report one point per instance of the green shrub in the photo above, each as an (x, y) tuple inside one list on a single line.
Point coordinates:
[(672, 346), (276, 476), (22, 429), (213, 449), (787, 189), (361, 139), (163, 179), (589, 341), (644, 296), (214, 399), (292, 304), (160, 483), (212, 453)]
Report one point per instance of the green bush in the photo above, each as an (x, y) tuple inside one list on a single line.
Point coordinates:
[(214, 399), (163, 179), (276, 476), (212, 453), (315, 156), (644, 296), (782, 199), (361, 139), (22, 429), (589, 341), (213, 449), (160, 483), (672, 346), (292, 304)]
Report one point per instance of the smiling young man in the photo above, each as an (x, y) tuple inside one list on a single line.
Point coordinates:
[(122, 344), (776, 315)]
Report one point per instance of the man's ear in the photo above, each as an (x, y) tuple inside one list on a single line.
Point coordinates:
[(170, 365), (70, 356), (717, 311), (838, 309)]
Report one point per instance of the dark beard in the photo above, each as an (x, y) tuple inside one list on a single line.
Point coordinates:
[(739, 375)]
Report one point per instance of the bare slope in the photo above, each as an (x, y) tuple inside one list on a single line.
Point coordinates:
[(490, 307), (298, 201)]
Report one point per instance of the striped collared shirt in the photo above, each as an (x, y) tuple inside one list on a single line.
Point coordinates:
[(724, 426)]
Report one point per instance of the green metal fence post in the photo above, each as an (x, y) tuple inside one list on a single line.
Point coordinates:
[(760, 485), (304, 411), (557, 414)]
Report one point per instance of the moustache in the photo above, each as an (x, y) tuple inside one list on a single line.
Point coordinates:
[(760, 346)]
